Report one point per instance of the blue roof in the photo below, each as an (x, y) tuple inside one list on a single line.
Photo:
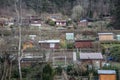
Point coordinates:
[(106, 72)]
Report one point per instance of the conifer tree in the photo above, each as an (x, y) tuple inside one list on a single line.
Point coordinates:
[(116, 14)]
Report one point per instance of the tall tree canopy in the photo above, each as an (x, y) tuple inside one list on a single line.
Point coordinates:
[(77, 12), (115, 53), (116, 14), (90, 7)]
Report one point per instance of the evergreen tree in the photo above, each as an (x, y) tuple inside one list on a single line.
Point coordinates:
[(116, 14), (47, 73)]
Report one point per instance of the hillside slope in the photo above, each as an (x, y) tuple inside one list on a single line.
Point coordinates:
[(90, 7)]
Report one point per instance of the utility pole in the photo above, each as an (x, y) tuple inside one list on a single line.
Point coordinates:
[(19, 26)]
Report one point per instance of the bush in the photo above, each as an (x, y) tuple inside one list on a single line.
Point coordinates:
[(59, 70), (89, 26), (50, 22), (69, 69), (103, 51), (70, 46), (47, 73), (115, 53)]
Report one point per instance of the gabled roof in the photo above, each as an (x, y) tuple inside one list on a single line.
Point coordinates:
[(106, 72), (91, 56)]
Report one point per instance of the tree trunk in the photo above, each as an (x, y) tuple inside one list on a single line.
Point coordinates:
[(4, 70), (10, 71), (6, 75)]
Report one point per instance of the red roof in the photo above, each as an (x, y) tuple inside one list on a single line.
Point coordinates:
[(83, 44)]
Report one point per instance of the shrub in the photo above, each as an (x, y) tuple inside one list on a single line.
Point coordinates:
[(70, 46), (59, 70), (50, 22)]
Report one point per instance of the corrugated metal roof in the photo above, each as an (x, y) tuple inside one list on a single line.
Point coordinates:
[(106, 72), (91, 56)]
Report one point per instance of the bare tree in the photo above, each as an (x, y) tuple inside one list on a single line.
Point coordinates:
[(6, 58)]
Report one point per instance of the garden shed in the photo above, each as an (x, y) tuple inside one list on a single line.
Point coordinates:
[(50, 44), (92, 58), (107, 74), (83, 44), (105, 36)]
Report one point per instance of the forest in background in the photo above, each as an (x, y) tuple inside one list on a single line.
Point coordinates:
[(91, 8)]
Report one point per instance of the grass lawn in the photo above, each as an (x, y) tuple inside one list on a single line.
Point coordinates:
[(110, 45)]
